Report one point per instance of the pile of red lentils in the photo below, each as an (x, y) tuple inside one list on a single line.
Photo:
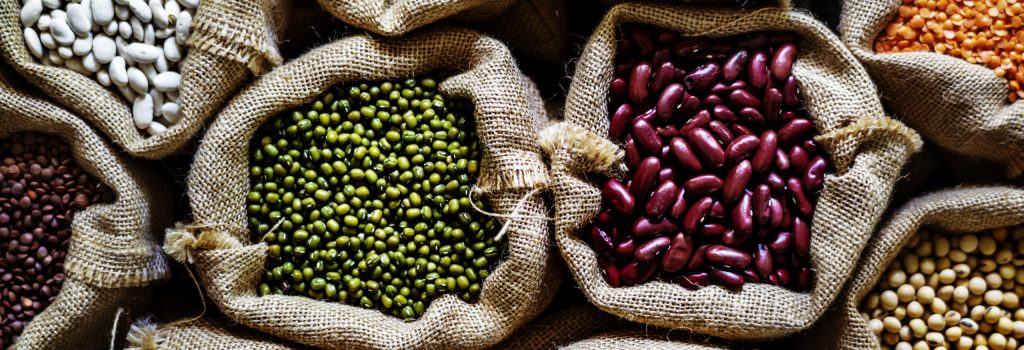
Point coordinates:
[(985, 32)]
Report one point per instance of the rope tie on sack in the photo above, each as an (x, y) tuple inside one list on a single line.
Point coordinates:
[(576, 150), (508, 217), (844, 144), (143, 335), (113, 330)]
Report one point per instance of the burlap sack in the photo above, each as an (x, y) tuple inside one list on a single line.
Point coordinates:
[(113, 256), (231, 41), (534, 29), (206, 333), (569, 318), (508, 112), (643, 340), (867, 149), (959, 210), (958, 105)]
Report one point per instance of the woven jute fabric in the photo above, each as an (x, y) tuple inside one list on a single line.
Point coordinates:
[(508, 112), (206, 333), (867, 149), (562, 323), (958, 105), (113, 250), (231, 41), (643, 340), (952, 211)]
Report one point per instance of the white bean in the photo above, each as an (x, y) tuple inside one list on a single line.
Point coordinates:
[(61, 31), (149, 35), (104, 78), (155, 128), (111, 28), (172, 51), (164, 33), (143, 53), (48, 41), (51, 4), (82, 46), (127, 92), (189, 3), (118, 71), (150, 72), (138, 31), (35, 46), (158, 101), (90, 64), (65, 52), (167, 81), (103, 48), (122, 12), (142, 110), (30, 13), (55, 58), (102, 12), (43, 24), (172, 8), (141, 10), (183, 28), (171, 112), (58, 14), (161, 64), (125, 30), (160, 17), (79, 19), (137, 80), (121, 2)]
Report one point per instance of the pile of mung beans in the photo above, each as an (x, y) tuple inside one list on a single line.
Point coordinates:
[(41, 188), (989, 33), (949, 291), (366, 197), (723, 173)]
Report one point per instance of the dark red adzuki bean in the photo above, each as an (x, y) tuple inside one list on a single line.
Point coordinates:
[(723, 170)]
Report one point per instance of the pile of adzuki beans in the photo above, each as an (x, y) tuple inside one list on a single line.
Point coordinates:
[(723, 173), (40, 190)]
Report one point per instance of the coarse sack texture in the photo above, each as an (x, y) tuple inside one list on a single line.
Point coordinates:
[(958, 105), (206, 333), (951, 211), (642, 340), (564, 322), (508, 112), (232, 40), (113, 257), (534, 29), (867, 150)]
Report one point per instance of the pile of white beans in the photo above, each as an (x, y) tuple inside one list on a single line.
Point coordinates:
[(129, 45)]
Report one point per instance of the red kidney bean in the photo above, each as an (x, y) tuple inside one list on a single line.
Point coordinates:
[(637, 272), (664, 76), (759, 201), (787, 116), (763, 260), (647, 116), (757, 69), (625, 249), (722, 112), (665, 153), (703, 184), (773, 280), (611, 272), (737, 180), (642, 38), (682, 152), (600, 240), (632, 154), (727, 278), (669, 99), (814, 178), (794, 130), (711, 101), (652, 248), (660, 57), (778, 212), (645, 176), (666, 174), (694, 280), (801, 237), (781, 161), (712, 152), (740, 130), (689, 46), (717, 210), (728, 256), (721, 88), (750, 275), (696, 213), (711, 230), (796, 191), (678, 253), (638, 80), (742, 98), (772, 105), (752, 117), (783, 276), (699, 120), (690, 105), (765, 152), (698, 258), (721, 131), (741, 147), (742, 217), (667, 131), (618, 89), (662, 199), (781, 243), (790, 92), (607, 217), (702, 78), (733, 238), (810, 146), (802, 282), (646, 137), (782, 61), (620, 121), (617, 194), (678, 205), (645, 227), (775, 182), (733, 66)]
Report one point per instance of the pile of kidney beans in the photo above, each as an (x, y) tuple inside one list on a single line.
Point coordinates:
[(723, 173)]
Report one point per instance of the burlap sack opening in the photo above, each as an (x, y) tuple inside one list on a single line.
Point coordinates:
[(231, 41), (535, 29), (643, 339), (206, 333), (952, 211), (958, 105), (113, 255), (508, 112), (569, 318), (868, 151)]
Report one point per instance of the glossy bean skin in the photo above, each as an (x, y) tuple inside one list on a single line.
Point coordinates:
[(727, 278), (620, 121), (679, 205), (742, 98), (801, 237), (742, 218), (601, 240), (646, 136), (790, 92), (684, 154), (619, 197), (696, 213), (796, 191), (678, 253), (737, 180), (782, 61), (757, 69), (663, 76), (645, 176), (637, 272), (662, 199), (741, 147), (645, 227), (794, 130), (632, 154), (722, 112), (734, 65), (765, 153), (782, 242), (699, 120), (772, 105), (619, 89), (721, 132), (694, 281), (703, 140), (702, 78), (611, 272), (652, 248), (722, 88), (814, 177), (763, 260), (671, 96), (728, 256), (638, 80), (759, 201), (751, 117), (703, 184)]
